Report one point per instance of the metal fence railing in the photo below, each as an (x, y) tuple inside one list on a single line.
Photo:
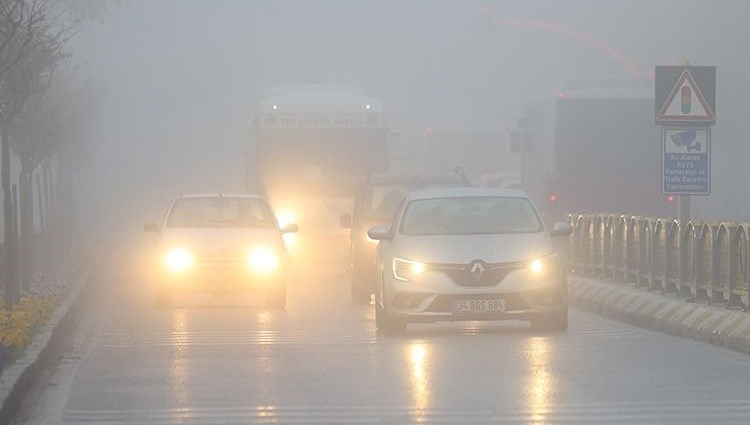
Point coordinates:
[(702, 261)]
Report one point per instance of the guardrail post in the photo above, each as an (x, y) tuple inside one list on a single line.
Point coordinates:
[(643, 273), (686, 241), (621, 270), (588, 240), (700, 293), (609, 230), (671, 279), (720, 267), (733, 299), (631, 244), (741, 279)]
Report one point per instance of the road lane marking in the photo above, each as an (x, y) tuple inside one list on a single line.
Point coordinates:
[(683, 411)]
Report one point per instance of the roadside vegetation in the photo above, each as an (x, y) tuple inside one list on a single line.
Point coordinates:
[(44, 107)]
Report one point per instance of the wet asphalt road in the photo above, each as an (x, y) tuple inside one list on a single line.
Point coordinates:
[(230, 360)]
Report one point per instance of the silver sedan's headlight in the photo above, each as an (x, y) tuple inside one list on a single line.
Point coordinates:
[(544, 265), (406, 270)]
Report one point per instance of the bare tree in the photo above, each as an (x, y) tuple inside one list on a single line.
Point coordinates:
[(30, 50)]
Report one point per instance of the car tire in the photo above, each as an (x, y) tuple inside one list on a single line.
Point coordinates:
[(360, 288), (553, 322), (387, 324), (276, 298)]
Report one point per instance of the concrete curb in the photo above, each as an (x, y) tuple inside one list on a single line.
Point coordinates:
[(701, 322), (17, 379)]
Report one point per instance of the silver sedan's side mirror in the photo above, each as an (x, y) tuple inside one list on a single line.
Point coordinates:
[(561, 228), (379, 233)]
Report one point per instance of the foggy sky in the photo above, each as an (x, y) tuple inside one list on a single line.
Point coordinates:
[(181, 77)]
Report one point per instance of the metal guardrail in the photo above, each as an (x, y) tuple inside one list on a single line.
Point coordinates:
[(702, 261)]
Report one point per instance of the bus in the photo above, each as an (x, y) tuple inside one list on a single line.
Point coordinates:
[(310, 147), (592, 147)]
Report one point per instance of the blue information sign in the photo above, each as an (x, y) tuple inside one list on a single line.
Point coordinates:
[(686, 161)]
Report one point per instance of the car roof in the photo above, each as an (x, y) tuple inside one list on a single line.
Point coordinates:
[(466, 192), (385, 178), (220, 195)]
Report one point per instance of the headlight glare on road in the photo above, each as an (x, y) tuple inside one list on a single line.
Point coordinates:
[(179, 260), (405, 270), (263, 260)]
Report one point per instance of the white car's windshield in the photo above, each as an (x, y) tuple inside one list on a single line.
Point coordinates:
[(469, 216), (221, 212)]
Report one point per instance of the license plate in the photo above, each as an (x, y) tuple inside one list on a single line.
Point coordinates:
[(479, 306)]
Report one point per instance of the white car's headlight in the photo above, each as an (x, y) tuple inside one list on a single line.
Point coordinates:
[(263, 260), (179, 260), (406, 270)]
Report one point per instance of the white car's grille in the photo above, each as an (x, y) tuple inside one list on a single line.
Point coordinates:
[(218, 258)]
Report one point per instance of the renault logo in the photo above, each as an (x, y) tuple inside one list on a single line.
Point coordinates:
[(477, 269)]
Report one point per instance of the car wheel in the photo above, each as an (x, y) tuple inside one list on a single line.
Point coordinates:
[(387, 324), (557, 321), (277, 297), (162, 297), (360, 287)]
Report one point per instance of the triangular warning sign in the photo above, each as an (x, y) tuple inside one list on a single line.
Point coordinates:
[(685, 102)]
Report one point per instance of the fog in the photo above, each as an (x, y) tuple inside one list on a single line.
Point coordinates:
[(179, 80)]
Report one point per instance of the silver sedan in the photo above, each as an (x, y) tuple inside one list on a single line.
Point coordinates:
[(469, 254)]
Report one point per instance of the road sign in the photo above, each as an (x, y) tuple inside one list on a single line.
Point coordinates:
[(686, 161), (685, 94)]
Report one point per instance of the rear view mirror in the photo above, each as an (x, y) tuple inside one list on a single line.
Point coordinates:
[(152, 228), (290, 228), (346, 220), (561, 228), (379, 233)]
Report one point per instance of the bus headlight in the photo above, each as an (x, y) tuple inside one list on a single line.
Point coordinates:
[(179, 260), (263, 260)]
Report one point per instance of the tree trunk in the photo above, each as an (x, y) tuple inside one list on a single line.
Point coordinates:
[(7, 220), (27, 226)]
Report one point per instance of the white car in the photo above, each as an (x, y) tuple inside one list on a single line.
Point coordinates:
[(469, 254), (217, 243)]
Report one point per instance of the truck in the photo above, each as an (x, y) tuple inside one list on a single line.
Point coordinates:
[(592, 147), (310, 147)]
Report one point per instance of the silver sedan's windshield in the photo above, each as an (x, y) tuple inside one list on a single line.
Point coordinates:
[(221, 212), (470, 215)]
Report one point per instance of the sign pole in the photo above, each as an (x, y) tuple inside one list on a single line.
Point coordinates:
[(684, 210)]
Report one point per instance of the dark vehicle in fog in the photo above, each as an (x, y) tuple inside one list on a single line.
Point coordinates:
[(469, 254), (309, 148), (592, 147), (216, 243), (377, 202), (310, 143)]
